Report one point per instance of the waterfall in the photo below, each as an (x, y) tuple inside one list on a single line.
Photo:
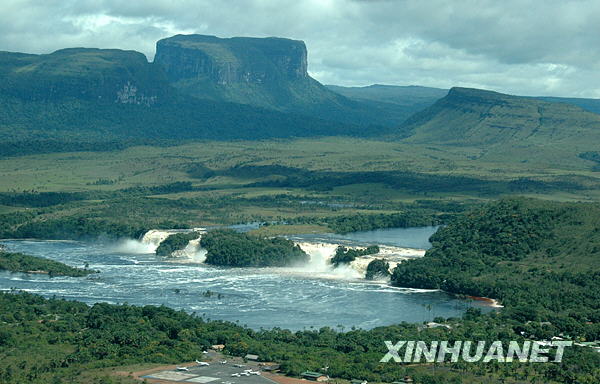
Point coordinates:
[(152, 239), (133, 246), (156, 236), (146, 244), (321, 254), (192, 251)]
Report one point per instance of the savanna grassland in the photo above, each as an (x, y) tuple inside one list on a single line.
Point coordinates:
[(159, 165), (297, 181)]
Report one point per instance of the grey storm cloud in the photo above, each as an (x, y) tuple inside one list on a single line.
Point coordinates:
[(515, 46)]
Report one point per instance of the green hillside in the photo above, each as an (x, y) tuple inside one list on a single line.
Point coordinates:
[(477, 117), (207, 88), (408, 100), (101, 75)]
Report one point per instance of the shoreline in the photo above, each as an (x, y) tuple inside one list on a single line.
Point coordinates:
[(489, 301)]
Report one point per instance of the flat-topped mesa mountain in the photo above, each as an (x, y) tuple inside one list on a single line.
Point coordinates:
[(226, 62), (475, 117), (264, 72), (267, 72), (99, 75), (205, 87), (414, 98)]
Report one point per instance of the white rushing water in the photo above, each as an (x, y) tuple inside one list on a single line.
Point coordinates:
[(192, 252), (150, 241), (156, 236), (320, 253)]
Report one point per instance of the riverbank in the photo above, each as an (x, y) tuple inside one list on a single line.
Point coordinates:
[(488, 301)]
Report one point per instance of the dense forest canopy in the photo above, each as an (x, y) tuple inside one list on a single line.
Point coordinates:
[(378, 269), (540, 259), (69, 342), (18, 262), (345, 255), (227, 247), (175, 242)]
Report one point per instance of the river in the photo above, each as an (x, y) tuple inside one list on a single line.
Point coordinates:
[(292, 298)]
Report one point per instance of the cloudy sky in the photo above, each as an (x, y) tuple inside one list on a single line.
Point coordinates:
[(547, 47)]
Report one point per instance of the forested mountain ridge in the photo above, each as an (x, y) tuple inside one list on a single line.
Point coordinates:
[(590, 105), (411, 95)]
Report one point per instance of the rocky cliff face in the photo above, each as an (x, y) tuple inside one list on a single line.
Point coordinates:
[(269, 73), (265, 72), (229, 61), (100, 75)]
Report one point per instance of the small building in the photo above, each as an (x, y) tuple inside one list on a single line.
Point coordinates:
[(314, 376), (356, 381), (251, 357), (218, 347)]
